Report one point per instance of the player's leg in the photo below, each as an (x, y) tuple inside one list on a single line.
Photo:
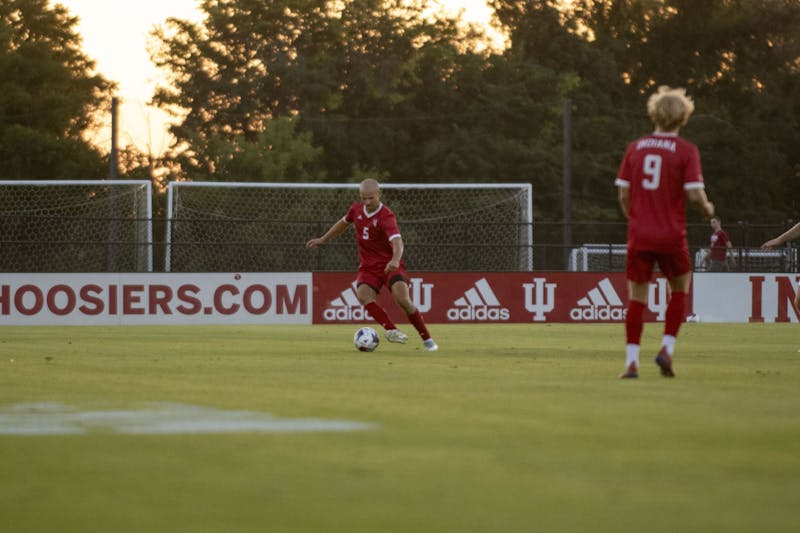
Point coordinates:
[(401, 295), (677, 268), (639, 269), (367, 287), (634, 325)]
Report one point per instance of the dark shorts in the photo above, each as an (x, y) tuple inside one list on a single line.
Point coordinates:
[(639, 264), (719, 266), (377, 278)]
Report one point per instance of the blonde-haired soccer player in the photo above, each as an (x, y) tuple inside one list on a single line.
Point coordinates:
[(658, 174)]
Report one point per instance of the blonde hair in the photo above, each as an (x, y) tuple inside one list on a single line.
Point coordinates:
[(669, 108)]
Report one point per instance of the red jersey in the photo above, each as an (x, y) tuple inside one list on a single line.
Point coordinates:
[(719, 245), (659, 169), (374, 233)]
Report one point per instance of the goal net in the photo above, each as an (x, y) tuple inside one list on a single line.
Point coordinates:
[(598, 258), (75, 226), (240, 227)]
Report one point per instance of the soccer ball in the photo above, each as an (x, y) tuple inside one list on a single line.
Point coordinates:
[(366, 340)]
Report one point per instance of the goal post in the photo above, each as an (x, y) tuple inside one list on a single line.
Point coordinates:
[(244, 226), (76, 226)]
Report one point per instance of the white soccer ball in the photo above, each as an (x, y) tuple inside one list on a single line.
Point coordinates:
[(366, 339)]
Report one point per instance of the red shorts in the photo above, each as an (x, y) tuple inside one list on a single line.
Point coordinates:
[(378, 278), (673, 263)]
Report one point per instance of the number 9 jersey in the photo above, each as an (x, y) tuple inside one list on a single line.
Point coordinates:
[(659, 169)]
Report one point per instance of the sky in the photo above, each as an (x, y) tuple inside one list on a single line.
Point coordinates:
[(115, 36)]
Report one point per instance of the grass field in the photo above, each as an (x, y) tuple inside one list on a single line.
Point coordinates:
[(508, 428)]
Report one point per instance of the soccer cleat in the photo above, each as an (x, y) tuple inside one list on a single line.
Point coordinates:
[(664, 362), (631, 372), (395, 335), (430, 345)]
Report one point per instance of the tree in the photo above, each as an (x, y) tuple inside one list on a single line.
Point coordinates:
[(375, 86), (397, 79), (278, 153), (248, 63), (739, 60), (545, 39), (48, 95), (351, 72)]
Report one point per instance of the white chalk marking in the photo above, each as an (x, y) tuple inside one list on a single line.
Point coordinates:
[(56, 419)]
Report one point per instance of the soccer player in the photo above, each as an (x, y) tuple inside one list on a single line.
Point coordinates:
[(721, 245), (380, 255), (790, 234), (658, 174)]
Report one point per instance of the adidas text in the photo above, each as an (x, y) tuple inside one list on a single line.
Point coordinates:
[(478, 313), (597, 313), (346, 313)]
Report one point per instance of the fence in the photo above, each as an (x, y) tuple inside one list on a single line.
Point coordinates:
[(76, 226), (110, 226), (600, 249)]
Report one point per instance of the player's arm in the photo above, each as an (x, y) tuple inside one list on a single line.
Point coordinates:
[(697, 197), (397, 253), (792, 233), (624, 198), (337, 229), (730, 253), (623, 183)]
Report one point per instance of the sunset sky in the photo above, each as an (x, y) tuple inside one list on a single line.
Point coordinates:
[(115, 35)]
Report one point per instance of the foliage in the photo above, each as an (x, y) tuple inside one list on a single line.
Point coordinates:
[(277, 153), (248, 63), (377, 85), (740, 60), (314, 90), (48, 95)]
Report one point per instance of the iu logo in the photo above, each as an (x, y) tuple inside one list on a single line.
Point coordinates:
[(421, 294), (658, 296), (539, 298)]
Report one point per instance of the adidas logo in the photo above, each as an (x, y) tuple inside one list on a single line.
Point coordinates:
[(600, 303), (478, 303), (346, 307)]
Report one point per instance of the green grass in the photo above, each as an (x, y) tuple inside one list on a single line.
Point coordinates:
[(508, 428)]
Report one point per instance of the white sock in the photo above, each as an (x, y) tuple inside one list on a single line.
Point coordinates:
[(668, 342), (631, 355)]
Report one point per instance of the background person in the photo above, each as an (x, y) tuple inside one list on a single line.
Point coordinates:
[(380, 255), (659, 172), (720, 257)]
